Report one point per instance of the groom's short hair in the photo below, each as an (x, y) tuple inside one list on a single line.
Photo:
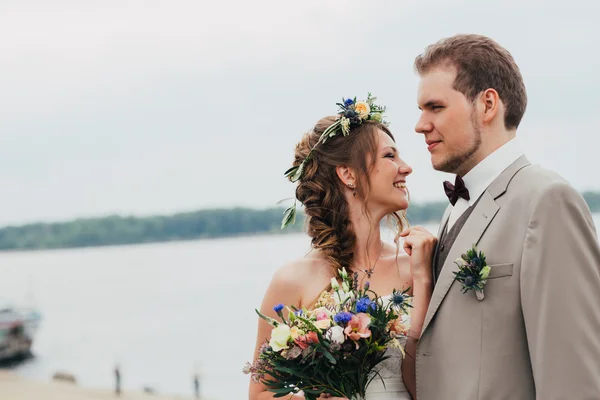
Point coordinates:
[(480, 64)]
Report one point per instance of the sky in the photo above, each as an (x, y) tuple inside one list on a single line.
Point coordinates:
[(155, 107)]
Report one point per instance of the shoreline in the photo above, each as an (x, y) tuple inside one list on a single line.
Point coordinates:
[(16, 387), (174, 240), (151, 242)]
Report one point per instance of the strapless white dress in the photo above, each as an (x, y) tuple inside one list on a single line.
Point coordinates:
[(389, 384)]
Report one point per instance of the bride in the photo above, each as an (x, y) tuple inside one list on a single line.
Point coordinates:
[(348, 185)]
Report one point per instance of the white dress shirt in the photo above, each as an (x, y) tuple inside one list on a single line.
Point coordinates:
[(483, 174)]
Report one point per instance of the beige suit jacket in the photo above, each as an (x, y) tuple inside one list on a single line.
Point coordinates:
[(536, 334)]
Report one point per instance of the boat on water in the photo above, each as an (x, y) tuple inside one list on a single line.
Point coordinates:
[(18, 327)]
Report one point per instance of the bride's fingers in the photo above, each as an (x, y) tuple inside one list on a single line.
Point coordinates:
[(407, 246), (405, 233), (419, 230), (420, 235)]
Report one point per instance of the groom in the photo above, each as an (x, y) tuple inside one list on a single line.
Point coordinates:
[(536, 332)]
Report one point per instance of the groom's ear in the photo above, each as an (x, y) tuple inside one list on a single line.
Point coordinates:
[(489, 105), (346, 174)]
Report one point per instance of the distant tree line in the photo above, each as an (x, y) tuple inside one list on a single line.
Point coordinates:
[(118, 230), (114, 230), (593, 200)]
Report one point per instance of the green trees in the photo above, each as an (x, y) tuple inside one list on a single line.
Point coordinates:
[(116, 230), (593, 200)]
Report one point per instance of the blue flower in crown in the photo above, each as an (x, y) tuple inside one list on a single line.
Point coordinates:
[(348, 102)]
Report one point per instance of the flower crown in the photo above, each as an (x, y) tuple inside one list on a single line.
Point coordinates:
[(352, 113)]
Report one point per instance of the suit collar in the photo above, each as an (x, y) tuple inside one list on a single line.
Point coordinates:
[(488, 169), (500, 184)]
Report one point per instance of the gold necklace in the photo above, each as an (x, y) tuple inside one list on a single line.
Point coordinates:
[(371, 270)]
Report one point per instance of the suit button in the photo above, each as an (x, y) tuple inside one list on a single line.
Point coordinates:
[(442, 247)]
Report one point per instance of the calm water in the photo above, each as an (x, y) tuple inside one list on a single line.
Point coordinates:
[(159, 310)]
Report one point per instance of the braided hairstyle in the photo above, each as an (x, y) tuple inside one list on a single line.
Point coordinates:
[(322, 192)]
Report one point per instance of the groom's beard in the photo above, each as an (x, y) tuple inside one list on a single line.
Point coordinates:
[(455, 161)]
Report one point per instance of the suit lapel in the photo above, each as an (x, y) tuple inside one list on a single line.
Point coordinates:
[(482, 215), (441, 229)]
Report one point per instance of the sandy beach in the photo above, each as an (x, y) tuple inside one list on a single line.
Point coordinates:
[(14, 387)]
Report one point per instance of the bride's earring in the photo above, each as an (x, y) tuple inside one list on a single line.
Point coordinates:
[(351, 186)]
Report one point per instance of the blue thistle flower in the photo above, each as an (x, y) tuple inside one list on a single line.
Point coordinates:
[(476, 262), (350, 114), (348, 102), (469, 281), (364, 304), (398, 299), (342, 317), (278, 308)]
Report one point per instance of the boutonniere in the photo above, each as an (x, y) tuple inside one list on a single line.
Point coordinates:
[(472, 272)]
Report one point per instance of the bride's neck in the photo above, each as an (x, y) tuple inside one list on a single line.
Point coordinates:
[(368, 241)]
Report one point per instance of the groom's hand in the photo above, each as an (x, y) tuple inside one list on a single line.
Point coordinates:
[(419, 245)]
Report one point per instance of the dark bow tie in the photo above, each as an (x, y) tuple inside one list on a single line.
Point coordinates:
[(457, 190)]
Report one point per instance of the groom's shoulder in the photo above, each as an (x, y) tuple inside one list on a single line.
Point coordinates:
[(541, 183), (536, 177)]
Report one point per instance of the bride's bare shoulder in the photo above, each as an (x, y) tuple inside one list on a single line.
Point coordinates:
[(302, 270)]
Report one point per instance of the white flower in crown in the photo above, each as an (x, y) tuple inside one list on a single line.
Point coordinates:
[(363, 109), (377, 117), (345, 124)]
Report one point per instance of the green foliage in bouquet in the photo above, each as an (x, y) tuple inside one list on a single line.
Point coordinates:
[(333, 348)]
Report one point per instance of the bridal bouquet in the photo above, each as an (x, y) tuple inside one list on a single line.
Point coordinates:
[(333, 348)]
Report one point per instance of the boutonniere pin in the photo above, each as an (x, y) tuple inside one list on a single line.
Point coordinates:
[(472, 272)]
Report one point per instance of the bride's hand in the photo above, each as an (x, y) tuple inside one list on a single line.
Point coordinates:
[(419, 245)]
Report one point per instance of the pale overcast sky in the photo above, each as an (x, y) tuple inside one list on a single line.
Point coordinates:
[(142, 107)]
